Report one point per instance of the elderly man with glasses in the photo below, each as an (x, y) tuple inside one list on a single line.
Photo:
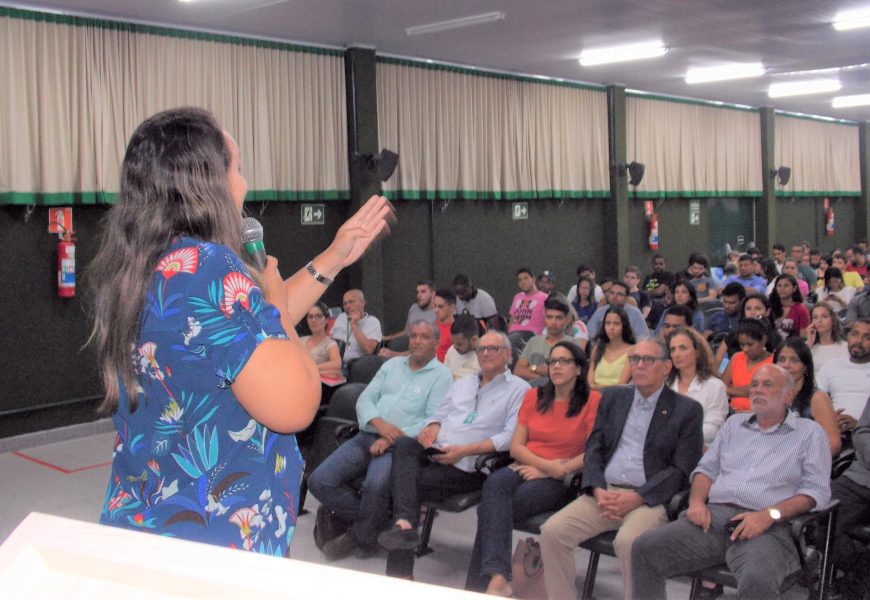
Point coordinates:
[(646, 441), (478, 416)]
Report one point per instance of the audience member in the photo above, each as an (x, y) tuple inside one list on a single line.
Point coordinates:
[(683, 294), (790, 317), (694, 375), (835, 291), (473, 299), (706, 287), (611, 350), (359, 331), (809, 402), (825, 336), (584, 301), (478, 415), (726, 321), (527, 307), (859, 307), (790, 268), (547, 282), (756, 347), (778, 255), (445, 306), (532, 363), (548, 444), (850, 278), (657, 283), (746, 276), (857, 261), (802, 261), (763, 469), (586, 271), (320, 346), (405, 392), (645, 442), (847, 381), (852, 489), (618, 296), (755, 306), (422, 310), (631, 279), (461, 358), (676, 316), (767, 269)]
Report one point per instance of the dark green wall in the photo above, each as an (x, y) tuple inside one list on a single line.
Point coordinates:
[(803, 219), (677, 239)]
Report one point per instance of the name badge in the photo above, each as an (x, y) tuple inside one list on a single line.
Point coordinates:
[(470, 418)]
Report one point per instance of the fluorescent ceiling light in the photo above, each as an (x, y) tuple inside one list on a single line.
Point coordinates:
[(800, 88), (455, 23), (724, 72), (847, 101), (612, 54), (852, 19)]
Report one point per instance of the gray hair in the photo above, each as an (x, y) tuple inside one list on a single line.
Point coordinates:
[(665, 353), (358, 291), (436, 331)]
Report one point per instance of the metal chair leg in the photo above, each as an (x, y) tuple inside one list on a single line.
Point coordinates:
[(591, 570), (423, 547)]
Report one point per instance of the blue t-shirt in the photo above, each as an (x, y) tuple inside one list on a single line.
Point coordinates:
[(190, 462)]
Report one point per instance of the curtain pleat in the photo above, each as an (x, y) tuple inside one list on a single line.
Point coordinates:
[(824, 157)]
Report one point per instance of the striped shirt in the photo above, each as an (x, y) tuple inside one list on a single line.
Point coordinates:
[(756, 469)]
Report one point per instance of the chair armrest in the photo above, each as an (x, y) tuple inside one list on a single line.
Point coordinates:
[(345, 432), (492, 461), (800, 523), (802, 529), (677, 504)]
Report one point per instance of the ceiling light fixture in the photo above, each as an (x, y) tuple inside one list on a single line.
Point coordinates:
[(724, 72), (852, 19), (612, 54), (800, 88), (455, 23), (849, 101)]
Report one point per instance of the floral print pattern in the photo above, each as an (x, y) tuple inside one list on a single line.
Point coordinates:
[(190, 462)]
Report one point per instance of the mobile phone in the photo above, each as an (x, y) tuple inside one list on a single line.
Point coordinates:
[(432, 451)]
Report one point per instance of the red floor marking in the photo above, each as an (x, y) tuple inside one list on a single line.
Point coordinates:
[(57, 468)]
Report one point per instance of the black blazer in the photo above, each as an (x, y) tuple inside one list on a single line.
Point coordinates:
[(674, 442)]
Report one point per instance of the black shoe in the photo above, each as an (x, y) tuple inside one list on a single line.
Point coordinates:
[(396, 538), (365, 550), (705, 593), (327, 527), (340, 547)]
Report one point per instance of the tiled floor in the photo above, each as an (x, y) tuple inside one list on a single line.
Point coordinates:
[(69, 478)]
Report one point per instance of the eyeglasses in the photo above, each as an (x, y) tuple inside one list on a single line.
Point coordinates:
[(490, 349), (635, 360), (315, 316), (562, 362)]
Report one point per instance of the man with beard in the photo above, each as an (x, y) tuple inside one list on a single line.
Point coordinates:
[(847, 381)]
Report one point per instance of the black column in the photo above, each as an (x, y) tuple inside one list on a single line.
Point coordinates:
[(765, 210), (617, 208), (863, 213)]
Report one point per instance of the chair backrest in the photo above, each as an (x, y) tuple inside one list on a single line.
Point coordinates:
[(363, 369), (343, 402), (341, 411), (399, 344)]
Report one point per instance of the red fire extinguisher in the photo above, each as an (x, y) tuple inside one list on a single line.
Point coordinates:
[(66, 266), (653, 240), (829, 221)]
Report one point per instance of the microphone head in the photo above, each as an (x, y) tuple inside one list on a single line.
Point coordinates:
[(252, 231)]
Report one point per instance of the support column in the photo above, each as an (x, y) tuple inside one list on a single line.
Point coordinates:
[(617, 208), (362, 138), (862, 218), (765, 209)]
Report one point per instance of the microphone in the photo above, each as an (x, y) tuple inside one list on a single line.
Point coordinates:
[(252, 242)]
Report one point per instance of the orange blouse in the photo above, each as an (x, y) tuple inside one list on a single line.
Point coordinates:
[(553, 435)]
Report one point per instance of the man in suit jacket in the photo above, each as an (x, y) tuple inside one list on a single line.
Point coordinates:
[(646, 441)]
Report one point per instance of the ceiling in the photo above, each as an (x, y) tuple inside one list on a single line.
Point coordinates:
[(545, 37)]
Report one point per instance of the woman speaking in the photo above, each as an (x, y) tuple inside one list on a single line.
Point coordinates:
[(204, 375)]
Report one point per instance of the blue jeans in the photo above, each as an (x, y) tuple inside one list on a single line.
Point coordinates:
[(507, 499), (367, 509)]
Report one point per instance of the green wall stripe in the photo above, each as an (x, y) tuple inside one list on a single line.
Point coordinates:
[(791, 115), (690, 194), (78, 198), (18, 13), (677, 100), (435, 66), (832, 194), (493, 195)]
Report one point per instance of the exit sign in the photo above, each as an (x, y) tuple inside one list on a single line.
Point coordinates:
[(313, 214)]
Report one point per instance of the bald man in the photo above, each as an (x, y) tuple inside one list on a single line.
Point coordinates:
[(359, 330)]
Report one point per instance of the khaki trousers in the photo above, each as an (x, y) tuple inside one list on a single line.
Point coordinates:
[(579, 521)]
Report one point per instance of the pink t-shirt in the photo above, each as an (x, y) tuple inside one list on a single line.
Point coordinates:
[(527, 312)]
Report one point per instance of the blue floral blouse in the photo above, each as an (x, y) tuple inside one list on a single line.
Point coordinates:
[(190, 462)]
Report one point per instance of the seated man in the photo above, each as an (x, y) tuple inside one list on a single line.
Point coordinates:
[(445, 306), (763, 468), (676, 316), (478, 416), (359, 331), (706, 288), (404, 394), (852, 489), (850, 278), (422, 310), (475, 300), (859, 306), (532, 363), (527, 307), (547, 282), (746, 276), (617, 295), (726, 321), (646, 441), (656, 284), (461, 358), (847, 381), (631, 279)]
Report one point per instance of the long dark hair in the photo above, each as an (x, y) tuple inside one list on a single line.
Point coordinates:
[(601, 340), (174, 181), (693, 295), (776, 308), (580, 393), (803, 399)]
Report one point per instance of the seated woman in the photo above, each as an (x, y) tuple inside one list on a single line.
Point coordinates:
[(683, 292), (754, 306), (790, 317), (610, 352), (825, 336), (794, 356), (754, 338), (790, 267), (694, 375), (548, 443), (835, 291), (322, 348), (584, 304)]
